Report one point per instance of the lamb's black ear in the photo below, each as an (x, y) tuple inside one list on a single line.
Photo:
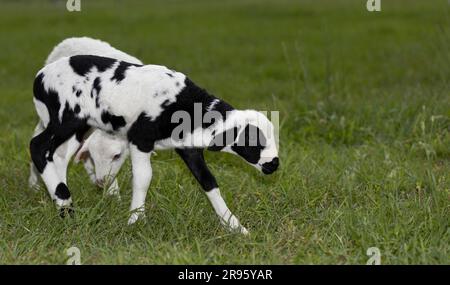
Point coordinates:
[(223, 139)]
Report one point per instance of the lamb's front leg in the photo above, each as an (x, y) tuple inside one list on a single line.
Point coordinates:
[(196, 163), (33, 179), (142, 175)]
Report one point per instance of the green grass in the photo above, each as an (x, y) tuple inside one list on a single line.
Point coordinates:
[(364, 103)]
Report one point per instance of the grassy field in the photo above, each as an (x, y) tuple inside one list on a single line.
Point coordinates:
[(364, 101)]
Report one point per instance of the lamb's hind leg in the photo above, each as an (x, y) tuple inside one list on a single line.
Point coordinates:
[(42, 149), (62, 157)]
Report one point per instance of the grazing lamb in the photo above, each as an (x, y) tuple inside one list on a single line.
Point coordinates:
[(102, 154), (142, 104)]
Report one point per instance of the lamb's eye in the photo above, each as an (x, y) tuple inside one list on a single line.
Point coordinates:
[(116, 157)]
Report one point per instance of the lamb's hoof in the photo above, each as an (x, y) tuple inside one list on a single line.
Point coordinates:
[(114, 194), (240, 230), (244, 231), (66, 211), (234, 225), (135, 216)]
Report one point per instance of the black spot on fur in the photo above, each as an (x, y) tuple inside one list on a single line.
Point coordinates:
[(71, 124), (115, 121), (62, 192), (145, 132), (43, 146), (168, 74), (82, 64), (250, 144), (223, 139), (77, 109), (79, 135), (119, 73), (38, 146), (96, 89), (140, 133), (177, 84), (48, 97)]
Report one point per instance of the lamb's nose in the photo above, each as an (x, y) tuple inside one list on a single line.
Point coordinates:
[(270, 167)]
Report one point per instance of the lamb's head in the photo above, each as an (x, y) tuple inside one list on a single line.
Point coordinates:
[(250, 135), (106, 152)]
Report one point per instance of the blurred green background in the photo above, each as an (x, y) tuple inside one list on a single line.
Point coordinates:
[(364, 107)]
